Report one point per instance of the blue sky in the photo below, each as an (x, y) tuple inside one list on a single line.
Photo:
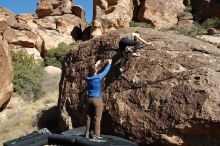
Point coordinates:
[(29, 6)]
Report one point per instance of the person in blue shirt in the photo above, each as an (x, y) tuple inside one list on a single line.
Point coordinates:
[(94, 100)]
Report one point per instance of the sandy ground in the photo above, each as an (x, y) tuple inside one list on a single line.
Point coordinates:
[(21, 117)]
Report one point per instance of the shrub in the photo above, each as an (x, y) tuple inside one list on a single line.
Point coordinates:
[(190, 31), (27, 75), (211, 23), (141, 24), (54, 57)]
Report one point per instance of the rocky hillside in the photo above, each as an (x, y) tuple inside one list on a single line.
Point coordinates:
[(170, 95), (114, 14), (161, 14), (55, 22)]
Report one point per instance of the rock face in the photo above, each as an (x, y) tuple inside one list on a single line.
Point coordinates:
[(114, 14), (53, 7), (185, 19), (37, 34), (6, 87), (169, 96), (109, 15), (162, 14), (206, 8)]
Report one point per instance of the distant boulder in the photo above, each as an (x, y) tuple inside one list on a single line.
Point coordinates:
[(53, 7), (162, 14)]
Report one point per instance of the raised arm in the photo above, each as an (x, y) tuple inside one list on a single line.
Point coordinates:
[(97, 63), (138, 37), (106, 70)]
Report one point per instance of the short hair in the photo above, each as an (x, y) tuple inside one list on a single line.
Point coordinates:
[(137, 32), (92, 70)]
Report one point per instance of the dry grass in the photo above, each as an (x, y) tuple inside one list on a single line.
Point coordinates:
[(21, 119)]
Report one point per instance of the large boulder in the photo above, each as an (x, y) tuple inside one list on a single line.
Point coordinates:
[(206, 8), (7, 18), (161, 13), (6, 87), (53, 7), (79, 12), (169, 95), (110, 15), (48, 22), (28, 19), (52, 38), (22, 38), (8, 15), (67, 23)]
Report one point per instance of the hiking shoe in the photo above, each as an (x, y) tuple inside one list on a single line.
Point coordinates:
[(135, 55), (97, 137), (87, 134)]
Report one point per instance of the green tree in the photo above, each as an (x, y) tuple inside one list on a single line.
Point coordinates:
[(27, 75), (54, 57)]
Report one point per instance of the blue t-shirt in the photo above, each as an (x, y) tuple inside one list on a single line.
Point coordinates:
[(94, 83)]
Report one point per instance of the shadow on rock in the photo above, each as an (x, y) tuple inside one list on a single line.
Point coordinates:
[(49, 119)]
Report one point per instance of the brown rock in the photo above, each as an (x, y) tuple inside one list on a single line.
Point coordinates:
[(21, 38), (44, 8), (111, 15), (20, 26), (7, 18), (33, 52), (168, 95), (9, 34), (53, 7), (25, 17), (67, 6), (8, 15), (212, 31), (36, 38), (28, 20), (67, 23), (186, 23), (51, 39), (46, 23), (6, 87), (18, 38), (185, 16), (3, 24), (79, 12), (162, 14), (206, 8)]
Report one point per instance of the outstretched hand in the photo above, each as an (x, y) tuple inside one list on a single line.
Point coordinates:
[(110, 61), (149, 43), (98, 63)]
